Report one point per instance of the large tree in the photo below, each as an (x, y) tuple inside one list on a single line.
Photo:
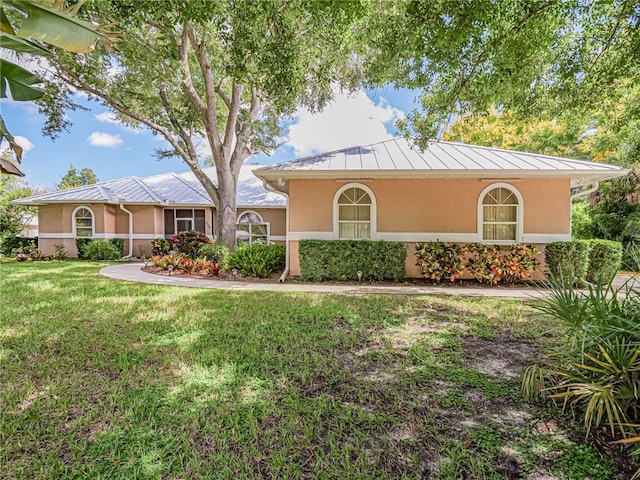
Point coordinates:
[(548, 57), (219, 74), (13, 218)]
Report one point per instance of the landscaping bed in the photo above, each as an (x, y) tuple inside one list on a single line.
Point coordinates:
[(108, 379)]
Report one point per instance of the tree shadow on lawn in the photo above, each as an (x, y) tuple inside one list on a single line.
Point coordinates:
[(155, 382)]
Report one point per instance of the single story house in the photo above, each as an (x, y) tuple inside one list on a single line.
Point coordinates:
[(385, 191)]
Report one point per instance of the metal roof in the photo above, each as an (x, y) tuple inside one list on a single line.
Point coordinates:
[(165, 189), (398, 157)]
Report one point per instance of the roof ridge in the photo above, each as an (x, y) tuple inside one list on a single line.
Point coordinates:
[(185, 182), (158, 197)]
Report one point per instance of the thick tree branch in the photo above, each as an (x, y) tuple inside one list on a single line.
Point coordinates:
[(186, 137), (243, 148), (187, 82), (223, 95), (232, 117)]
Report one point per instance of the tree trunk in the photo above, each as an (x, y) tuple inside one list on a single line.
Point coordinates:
[(226, 216)]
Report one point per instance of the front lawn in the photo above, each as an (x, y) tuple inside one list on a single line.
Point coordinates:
[(107, 379)]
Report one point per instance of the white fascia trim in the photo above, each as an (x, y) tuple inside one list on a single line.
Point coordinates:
[(546, 237)]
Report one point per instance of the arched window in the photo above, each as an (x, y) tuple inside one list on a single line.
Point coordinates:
[(500, 214), (251, 229), (354, 211), (83, 222)]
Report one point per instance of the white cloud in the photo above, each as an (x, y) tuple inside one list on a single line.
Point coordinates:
[(110, 117), (102, 139), (348, 121), (24, 142)]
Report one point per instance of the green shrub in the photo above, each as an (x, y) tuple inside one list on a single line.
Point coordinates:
[(258, 259), (60, 252), (568, 261), (605, 257), (119, 244), (163, 261), (342, 259), (81, 245), (189, 243), (102, 250), (506, 263), (438, 260), (581, 221), (595, 372), (161, 246), (214, 252), (11, 242)]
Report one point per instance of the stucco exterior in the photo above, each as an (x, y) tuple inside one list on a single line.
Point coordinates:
[(411, 210)]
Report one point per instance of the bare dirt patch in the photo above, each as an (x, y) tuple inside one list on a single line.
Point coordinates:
[(502, 356)]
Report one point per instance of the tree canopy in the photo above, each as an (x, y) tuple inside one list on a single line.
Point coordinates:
[(13, 218), (219, 74), (74, 178)]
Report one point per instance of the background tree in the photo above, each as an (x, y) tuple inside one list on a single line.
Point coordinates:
[(216, 73), (13, 218), (539, 59), (74, 178)]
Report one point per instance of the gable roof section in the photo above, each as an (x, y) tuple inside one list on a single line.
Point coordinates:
[(399, 158), (166, 189)]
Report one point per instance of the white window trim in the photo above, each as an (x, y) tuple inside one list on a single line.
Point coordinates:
[(262, 222), (176, 218), (374, 210), (93, 221), (520, 211)]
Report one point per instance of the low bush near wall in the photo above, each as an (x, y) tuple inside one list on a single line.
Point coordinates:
[(258, 259), (160, 246), (215, 252), (438, 260), (186, 264), (189, 243), (11, 242), (568, 261), (605, 258), (81, 245), (119, 244), (501, 263), (102, 250), (342, 259)]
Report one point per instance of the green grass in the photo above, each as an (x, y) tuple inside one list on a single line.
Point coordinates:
[(107, 379)]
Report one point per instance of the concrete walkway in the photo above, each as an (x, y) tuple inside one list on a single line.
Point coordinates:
[(132, 272)]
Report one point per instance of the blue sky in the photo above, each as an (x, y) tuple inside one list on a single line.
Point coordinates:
[(113, 151)]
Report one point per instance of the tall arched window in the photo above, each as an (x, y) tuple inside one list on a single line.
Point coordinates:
[(251, 229), (83, 222), (501, 214), (355, 214)]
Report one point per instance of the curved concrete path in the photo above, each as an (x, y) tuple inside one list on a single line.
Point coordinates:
[(132, 272)]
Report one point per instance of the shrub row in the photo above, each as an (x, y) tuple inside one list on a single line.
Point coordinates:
[(342, 259), (595, 261), (89, 249), (11, 243), (487, 263)]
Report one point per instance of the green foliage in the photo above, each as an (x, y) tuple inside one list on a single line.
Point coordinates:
[(438, 260), (13, 218), (257, 260), (597, 371), (506, 263), (582, 227), (60, 252), (164, 261), (102, 250), (73, 178), (605, 257), (342, 259), (11, 243), (189, 243), (119, 244), (215, 252), (81, 246), (568, 261), (160, 246)]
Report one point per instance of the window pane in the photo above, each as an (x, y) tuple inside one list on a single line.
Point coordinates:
[(250, 217), (348, 212), (199, 221), (259, 230), (83, 232), (169, 226), (83, 222), (499, 232), (347, 230), (499, 213), (362, 230), (184, 225), (184, 213)]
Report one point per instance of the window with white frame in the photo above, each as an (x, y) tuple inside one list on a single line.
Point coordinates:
[(251, 229), (183, 220), (83, 222), (354, 207), (500, 212)]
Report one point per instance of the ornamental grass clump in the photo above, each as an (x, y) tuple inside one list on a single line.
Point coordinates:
[(596, 370)]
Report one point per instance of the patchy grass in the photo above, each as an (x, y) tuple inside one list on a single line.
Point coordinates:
[(106, 379)]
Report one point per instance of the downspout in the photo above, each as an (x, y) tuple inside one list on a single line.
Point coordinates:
[(594, 187), (285, 273), (130, 228)]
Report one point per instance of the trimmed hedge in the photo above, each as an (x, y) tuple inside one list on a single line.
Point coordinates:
[(12, 242), (342, 259), (102, 250), (605, 258), (568, 261)]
